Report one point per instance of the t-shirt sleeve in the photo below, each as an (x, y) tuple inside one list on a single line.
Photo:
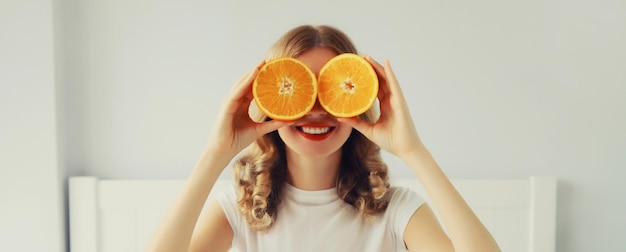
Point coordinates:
[(227, 198), (404, 202)]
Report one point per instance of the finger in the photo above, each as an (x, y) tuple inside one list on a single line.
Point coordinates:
[(243, 87), (394, 85), (383, 90), (258, 66), (358, 124), (249, 76), (241, 92), (398, 102), (240, 80), (272, 125), (378, 68)]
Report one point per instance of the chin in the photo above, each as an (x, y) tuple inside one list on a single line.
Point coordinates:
[(315, 152)]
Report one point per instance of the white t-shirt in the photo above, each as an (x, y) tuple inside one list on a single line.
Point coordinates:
[(320, 221)]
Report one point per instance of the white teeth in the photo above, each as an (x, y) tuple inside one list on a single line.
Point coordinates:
[(315, 130)]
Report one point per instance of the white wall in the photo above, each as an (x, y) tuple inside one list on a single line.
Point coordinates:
[(31, 217), (498, 89)]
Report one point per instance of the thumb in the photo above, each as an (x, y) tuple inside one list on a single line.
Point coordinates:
[(269, 126)]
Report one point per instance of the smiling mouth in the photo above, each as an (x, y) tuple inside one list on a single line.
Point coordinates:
[(315, 133), (315, 130)]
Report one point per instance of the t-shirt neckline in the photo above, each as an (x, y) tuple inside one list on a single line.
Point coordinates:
[(308, 197)]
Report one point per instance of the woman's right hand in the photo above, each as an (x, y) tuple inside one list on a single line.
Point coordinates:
[(234, 130)]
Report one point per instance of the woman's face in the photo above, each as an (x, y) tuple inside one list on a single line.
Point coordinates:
[(318, 133)]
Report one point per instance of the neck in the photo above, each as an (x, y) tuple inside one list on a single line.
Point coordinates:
[(312, 173)]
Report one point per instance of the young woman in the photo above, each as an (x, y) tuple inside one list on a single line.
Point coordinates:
[(325, 193)]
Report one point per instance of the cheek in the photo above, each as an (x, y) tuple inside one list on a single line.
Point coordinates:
[(344, 133), (289, 135), (285, 133)]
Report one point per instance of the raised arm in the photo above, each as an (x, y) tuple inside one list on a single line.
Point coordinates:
[(232, 132), (395, 132)]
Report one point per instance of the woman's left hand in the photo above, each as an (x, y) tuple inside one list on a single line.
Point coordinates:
[(394, 131)]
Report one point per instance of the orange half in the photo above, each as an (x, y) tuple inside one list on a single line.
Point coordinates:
[(347, 85), (285, 89)]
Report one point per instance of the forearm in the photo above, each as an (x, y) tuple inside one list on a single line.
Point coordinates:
[(466, 231), (176, 228)]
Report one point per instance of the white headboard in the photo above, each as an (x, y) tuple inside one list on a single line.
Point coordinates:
[(120, 215)]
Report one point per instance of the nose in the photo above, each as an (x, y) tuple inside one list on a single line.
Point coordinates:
[(317, 110)]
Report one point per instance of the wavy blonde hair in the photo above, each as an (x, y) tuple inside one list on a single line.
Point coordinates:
[(362, 180)]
